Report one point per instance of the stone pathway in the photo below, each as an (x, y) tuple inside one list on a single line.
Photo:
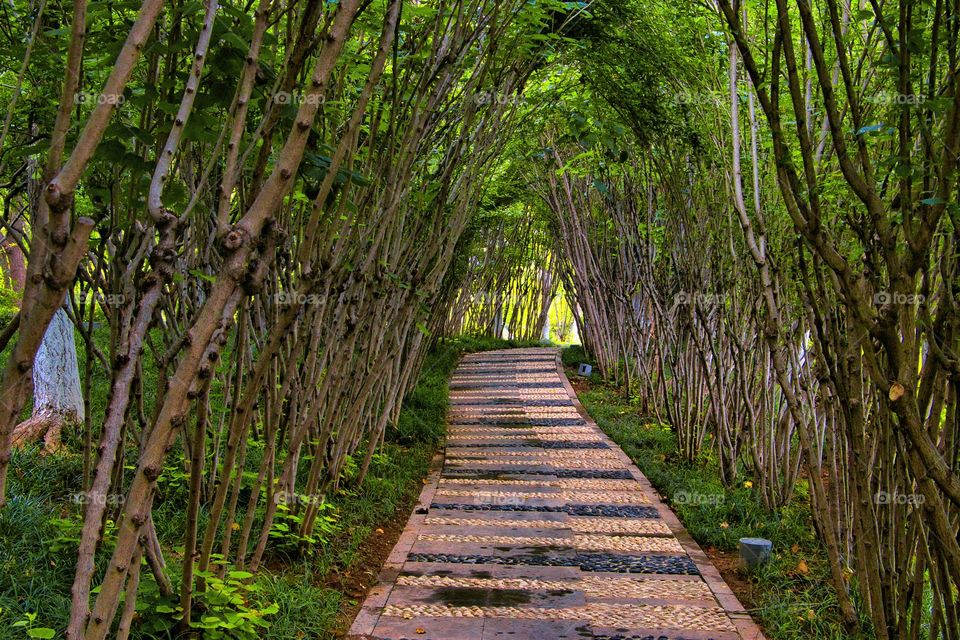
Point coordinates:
[(540, 528)]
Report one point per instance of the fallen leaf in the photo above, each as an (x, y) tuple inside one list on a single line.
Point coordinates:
[(802, 567), (379, 530), (724, 525), (896, 391), (795, 548), (420, 630), (748, 484), (235, 526), (811, 615), (407, 615)]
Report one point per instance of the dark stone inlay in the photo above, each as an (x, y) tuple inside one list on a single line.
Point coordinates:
[(474, 386), (479, 597), (611, 511), (486, 402), (581, 510), (539, 444), (507, 421), (583, 633), (605, 562), (602, 474), (567, 444), (493, 474), (623, 637), (522, 371)]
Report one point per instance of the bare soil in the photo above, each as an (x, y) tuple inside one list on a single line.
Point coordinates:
[(728, 564), (355, 580)]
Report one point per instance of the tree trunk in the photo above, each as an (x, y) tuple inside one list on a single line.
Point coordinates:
[(58, 400), (12, 264)]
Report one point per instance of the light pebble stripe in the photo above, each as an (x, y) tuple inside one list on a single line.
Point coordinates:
[(486, 399), (565, 483), (552, 453), (580, 542), (546, 465), (577, 454), (500, 494), (512, 431), (573, 437), (516, 420), (512, 420), (476, 400), (561, 414), (571, 464), (510, 394), (600, 614), (488, 393), (590, 585), (637, 544), (607, 497), (638, 526)]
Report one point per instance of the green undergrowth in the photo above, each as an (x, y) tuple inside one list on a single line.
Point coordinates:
[(791, 597), (292, 597)]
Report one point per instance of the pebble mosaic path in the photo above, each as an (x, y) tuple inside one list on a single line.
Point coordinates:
[(536, 526)]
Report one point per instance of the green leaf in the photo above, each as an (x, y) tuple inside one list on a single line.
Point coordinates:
[(359, 179), (41, 632), (240, 575), (203, 276)]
